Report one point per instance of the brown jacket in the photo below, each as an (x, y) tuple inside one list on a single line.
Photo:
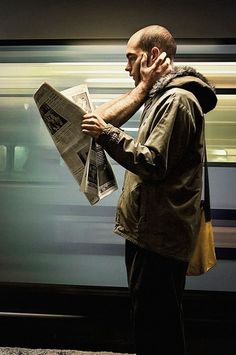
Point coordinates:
[(159, 205)]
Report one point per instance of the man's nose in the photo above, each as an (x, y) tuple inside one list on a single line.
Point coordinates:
[(127, 68)]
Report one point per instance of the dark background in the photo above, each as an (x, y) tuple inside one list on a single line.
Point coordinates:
[(117, 19)]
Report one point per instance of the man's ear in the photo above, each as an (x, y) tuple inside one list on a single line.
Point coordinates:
[(155, 52)]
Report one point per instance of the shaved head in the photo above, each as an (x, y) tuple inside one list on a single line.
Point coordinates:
[(155, 36)]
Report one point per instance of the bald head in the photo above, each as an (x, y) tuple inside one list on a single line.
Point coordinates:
[(155, 36)]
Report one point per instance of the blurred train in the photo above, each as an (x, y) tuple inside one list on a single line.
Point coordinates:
[(49, 232)]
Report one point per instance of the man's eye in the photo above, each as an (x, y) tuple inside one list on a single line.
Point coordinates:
[(132, 59)]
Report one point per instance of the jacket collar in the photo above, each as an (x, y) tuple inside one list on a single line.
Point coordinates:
[(188, 78)]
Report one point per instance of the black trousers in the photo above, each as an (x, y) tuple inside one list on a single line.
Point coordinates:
[(156, 285)]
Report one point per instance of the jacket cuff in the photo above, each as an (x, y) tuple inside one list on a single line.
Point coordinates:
[(109, 134)]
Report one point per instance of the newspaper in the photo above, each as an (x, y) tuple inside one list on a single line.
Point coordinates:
[(62, 113)]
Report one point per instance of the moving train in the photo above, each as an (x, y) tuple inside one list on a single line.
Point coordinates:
[(49, 231)]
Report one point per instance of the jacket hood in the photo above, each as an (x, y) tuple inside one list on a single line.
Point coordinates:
[(189, 79)]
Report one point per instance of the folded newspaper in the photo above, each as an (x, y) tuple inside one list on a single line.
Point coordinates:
[(62, 113)]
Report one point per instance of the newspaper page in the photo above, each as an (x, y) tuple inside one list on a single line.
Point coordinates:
[(98, 175), (62, 116)]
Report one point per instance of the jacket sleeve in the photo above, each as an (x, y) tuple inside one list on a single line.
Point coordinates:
[(151, 160)]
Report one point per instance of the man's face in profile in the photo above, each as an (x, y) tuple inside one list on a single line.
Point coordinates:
[(134, 55)]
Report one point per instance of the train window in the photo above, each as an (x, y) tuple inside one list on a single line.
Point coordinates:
[(21, 154), (3, 157)]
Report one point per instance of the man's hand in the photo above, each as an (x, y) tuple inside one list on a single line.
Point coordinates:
[(93, 125), (150, 74), (121, 109)]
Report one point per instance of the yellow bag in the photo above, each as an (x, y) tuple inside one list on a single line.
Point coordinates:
[(204, 257)]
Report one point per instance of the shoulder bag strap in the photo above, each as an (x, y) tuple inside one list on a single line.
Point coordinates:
[(206, 203)]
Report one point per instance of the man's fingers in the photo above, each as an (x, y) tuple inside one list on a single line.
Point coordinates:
[(89, 124), (162, 64), (88, 115), (159, 62), (92, 125), (143, 60), (162, 56), (166, 65), (161, 59), (87, 127), (167, 61)]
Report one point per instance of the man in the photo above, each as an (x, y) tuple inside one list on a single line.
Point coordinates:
[(159, 209)]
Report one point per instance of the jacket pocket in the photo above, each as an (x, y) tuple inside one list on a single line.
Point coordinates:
[(152, 211), (128, 210)]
